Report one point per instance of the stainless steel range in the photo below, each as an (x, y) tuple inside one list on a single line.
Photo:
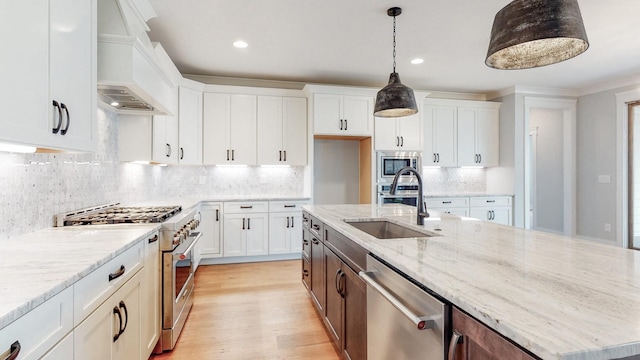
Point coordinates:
[(177, 241)]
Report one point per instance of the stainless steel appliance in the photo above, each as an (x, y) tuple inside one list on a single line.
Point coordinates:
[(177, 241), (403, 320), (388, 164), (405, 194)]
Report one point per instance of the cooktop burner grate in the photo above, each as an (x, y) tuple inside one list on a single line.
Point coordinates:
[(123, 215)]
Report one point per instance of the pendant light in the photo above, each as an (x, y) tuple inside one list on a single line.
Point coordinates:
[(533, 33), (395, 99)]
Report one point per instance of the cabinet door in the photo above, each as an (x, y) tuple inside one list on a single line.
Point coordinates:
[(72, 72), (257, 234), (270, 142), (150, 297), (190, 122), (410, 132), (428, 147), (477, 341), (24, 32), (333, 306), (386, 137), (243, 129), (210, 227), (357, 111), (165, 139), (480, 213), (295, 232), (467, 135), (488, 137), (62, 350), (235, 242), (317, 272), (279, 233), (444, 136), (94, 337), (355, 316), (327, 114), (294, 136), (216, 128), (501, 216)]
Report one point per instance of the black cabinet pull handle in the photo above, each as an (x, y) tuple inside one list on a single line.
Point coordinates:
[(434, 157), (287, 222), (337, 281), (14, 350), (290, 206), (243, 223), (248, 223), (233, 155), (491, 201), (401, 141), (397, 140), (316, 227), (227, 155), (446, 202), (285, 155), (479, 158), (217, 215), (315, 241), (116, 311), (181, 153), (346, 124), (66, 110), (123, 306), (280, 159), (340, 124), (292, 222), (168, 152), (117, 274), (246, 206), (305, 273), (153, 239), (305, 242), (57, 128)]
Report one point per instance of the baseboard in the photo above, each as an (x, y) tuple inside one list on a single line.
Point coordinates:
[(248, 259)]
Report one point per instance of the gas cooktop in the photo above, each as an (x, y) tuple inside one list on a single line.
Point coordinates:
[(113, 214)]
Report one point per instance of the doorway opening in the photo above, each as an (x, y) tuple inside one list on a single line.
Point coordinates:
[(633, 179)]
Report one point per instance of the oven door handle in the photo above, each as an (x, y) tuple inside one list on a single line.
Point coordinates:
[(181, 255)]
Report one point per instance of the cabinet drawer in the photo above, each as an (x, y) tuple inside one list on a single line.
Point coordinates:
[(453, 202), (286, 206), (306, 273), (247, 207), (316, 227), (95, 288), (463, 211), (306, 221), (488, 201), (41, 328)]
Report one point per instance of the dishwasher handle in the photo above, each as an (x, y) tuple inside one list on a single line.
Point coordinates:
[(421, 322)]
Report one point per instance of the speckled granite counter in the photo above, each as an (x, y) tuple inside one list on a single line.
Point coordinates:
[(39, 265), (558, 297), (188, 203)]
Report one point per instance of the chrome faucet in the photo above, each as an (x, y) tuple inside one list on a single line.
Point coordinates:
[(422, 207)]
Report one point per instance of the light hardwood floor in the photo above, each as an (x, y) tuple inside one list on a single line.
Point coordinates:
[(252, 311)]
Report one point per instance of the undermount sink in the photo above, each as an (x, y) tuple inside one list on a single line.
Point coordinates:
[(383, 229)]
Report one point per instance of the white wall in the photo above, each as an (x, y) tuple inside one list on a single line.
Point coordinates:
[(336, 172)]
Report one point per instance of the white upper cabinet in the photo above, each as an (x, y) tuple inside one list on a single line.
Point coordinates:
[(190, 126), (399, 134), (440, 131), (345, 115), (461, 133), (49, 97), (282, 130), (165, 134), (478, 136), (229, 129)]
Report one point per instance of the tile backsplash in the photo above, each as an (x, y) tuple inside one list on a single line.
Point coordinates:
[(35, 187), (454, 180)]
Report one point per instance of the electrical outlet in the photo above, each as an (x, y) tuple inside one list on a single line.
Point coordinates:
[(202, 180), (607, 227)]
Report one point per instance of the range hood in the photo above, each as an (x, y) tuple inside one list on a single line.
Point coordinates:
[(131, 77)]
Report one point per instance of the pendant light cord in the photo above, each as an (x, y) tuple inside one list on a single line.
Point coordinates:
[(394, 44)]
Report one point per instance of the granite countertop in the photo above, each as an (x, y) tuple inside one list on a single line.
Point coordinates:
[(464, 194), (39, 265), (558, 297), (190, 202)]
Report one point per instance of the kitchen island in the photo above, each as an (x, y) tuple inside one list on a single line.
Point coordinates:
[(557, 297)]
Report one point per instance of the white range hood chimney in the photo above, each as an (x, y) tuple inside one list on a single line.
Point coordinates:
[(129, 70)]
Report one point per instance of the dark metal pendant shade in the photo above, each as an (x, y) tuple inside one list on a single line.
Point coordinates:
[(395, 99), (533, 33)]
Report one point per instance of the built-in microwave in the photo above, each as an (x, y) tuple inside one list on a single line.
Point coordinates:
[(389, 163)]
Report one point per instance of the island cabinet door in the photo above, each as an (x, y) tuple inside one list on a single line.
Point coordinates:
[(355, 316), (473, 340), (333, 306), (317, 272)]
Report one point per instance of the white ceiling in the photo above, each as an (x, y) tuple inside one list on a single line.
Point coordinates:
[(349, 42)]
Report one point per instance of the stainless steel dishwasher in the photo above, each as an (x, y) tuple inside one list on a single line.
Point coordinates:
[(403, 320)]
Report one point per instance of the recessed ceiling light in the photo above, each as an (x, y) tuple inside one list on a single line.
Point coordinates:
[(417, 61), (240, 44), (115, 103)]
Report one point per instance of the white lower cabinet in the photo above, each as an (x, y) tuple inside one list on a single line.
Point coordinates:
[(40, 329), (62, 350), (246, 229), (210, 245), (285, 232), (496, 209), (150, 315), (450, 205), (113, 330)]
